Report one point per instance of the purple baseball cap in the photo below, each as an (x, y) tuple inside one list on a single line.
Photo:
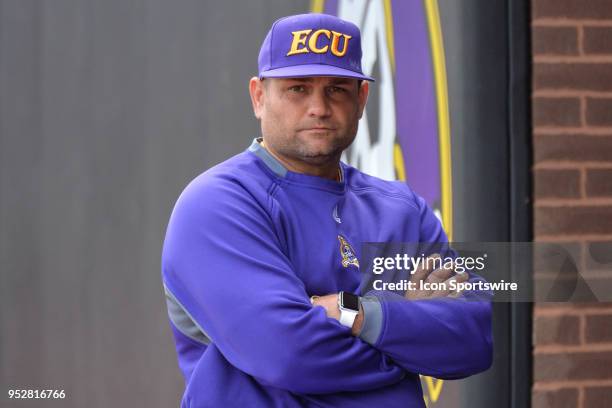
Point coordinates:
[(312, 44)]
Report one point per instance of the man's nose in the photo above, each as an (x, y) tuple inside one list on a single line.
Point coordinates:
[(319, 105)]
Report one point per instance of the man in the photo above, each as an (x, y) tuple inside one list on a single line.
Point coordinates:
[(261, 262)]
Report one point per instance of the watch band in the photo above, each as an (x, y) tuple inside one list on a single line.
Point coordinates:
[(347, 317)]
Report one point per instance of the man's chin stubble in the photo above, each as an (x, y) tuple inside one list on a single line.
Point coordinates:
[(320, 158)]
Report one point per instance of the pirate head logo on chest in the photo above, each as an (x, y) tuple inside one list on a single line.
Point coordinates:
[(347, 253)]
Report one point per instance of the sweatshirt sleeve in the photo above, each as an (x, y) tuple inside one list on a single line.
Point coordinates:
[(223, 262), (445, 337)]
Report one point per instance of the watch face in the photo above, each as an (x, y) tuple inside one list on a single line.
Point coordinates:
[(350, 301)]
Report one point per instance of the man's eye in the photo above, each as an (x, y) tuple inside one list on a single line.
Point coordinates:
[(297, 88), (336, 89)]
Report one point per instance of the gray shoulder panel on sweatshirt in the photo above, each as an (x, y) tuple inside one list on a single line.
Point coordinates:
[(183, 321)]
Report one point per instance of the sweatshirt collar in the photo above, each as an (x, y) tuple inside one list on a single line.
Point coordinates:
[(277, 167), (270, 161)]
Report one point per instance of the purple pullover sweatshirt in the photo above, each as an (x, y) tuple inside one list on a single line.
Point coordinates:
[(248, 243)]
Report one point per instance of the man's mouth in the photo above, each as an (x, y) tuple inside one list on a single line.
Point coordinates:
[(319, 128)]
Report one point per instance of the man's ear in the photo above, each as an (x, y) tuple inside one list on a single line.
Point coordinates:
[(256, 90), (362, 96)]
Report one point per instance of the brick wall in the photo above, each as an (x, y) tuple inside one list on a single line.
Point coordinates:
[(572, 126)]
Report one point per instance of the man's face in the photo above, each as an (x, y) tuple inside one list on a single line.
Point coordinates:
[(312, 119)]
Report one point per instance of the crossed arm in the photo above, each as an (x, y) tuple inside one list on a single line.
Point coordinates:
[(462, 329), (423, 273)]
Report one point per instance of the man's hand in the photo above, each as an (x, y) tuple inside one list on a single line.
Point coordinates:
[(330, 304), (427, 275)]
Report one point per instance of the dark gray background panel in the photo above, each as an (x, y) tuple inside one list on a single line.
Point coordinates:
[(488, 79), (476, 51)]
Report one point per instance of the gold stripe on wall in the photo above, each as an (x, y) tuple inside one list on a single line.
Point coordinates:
[(398, 160), (439, 65), (398, 157), (389, 33), (316, 6)]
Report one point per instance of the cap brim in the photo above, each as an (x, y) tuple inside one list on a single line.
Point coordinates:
[(312, 70)]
